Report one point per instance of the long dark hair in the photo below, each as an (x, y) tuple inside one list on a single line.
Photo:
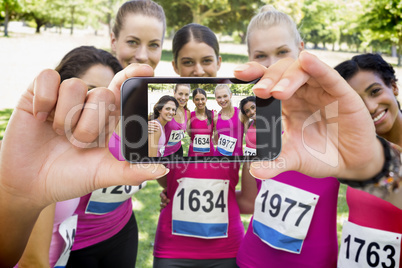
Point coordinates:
[(197, 32), (207, 112), (159, 106), (244, 101), (368, 62), (76, 62)]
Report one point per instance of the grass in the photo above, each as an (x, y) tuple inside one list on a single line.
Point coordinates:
[(146, 208)]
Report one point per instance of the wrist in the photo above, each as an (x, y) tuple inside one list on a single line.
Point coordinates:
[(388, 179)]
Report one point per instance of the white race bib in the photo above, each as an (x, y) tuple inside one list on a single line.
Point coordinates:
[(201, 143), (226, 144), (105, 200), (282, 215), (67, 230), (249, 151), (368, 247), (175, 137), (200, 208)]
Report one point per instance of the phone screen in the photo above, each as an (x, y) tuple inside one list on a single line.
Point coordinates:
[(198, 120)]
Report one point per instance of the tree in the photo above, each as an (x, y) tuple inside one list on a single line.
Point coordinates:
[(384, 19), (39, 10), (181, 12), (10, 7), (318, 24)]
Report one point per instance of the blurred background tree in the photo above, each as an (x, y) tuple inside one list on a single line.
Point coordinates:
[(359, 25)]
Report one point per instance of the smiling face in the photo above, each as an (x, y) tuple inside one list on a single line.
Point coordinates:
[(197, 60), (140, 41), (250, 110), (223, 97), (182, 95), (167, 112), (379, 99), (200, 101), (267, 46)]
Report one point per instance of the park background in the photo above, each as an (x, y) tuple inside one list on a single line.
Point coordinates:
[(36, 34)]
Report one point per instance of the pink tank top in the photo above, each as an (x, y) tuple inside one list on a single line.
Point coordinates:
[(92, 228), (172, 145), (230, 133), (203, 131), (168, 245), (251, 138), (373, 212), (320, 247)]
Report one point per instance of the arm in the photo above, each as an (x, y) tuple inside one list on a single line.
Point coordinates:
[(246, 196), (64, 154), (36, 252), (216, 136), (308, 86), (153, 140), (188, 125)]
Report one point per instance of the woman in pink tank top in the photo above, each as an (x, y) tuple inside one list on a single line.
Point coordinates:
[(176, 128), (201, 126), (163, 112), (229, 127), (273, 239), (372, 218)]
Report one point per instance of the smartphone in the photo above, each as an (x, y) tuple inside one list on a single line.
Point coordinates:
[(226, 139)]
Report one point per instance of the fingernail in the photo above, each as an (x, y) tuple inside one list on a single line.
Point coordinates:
[(263, 84), (164, 174), (281, 85), (241, 67), (42, 116)]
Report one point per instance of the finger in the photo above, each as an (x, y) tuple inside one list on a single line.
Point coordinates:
[(45, 91), (133, 70), (279, 78), (124, 173), (94, 116), (269, 169), (72, 94)]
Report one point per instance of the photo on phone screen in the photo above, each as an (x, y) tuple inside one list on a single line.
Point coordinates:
[(198, 120)]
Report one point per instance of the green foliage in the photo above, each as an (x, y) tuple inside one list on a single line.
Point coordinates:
[(4, 117)]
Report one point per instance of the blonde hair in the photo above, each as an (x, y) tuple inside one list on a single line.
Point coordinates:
[(267, 17), (223, 86)]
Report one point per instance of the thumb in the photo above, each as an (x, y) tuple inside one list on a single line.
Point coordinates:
[(268, 169), (115, 172)]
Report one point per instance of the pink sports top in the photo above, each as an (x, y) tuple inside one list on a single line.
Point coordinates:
[(230, 141), (318, 249), (367, 210), (174, 133), (202, 221), (99, 218), (201, 136)]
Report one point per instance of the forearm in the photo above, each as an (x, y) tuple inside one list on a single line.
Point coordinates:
[(17, 218)]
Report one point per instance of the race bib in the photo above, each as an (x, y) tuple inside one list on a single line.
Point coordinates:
[(282, 215), (175, 137), (200, 208), (368, 247), (201, 143), (67, 230), (105, 200), (226, 145), (249, 151)]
